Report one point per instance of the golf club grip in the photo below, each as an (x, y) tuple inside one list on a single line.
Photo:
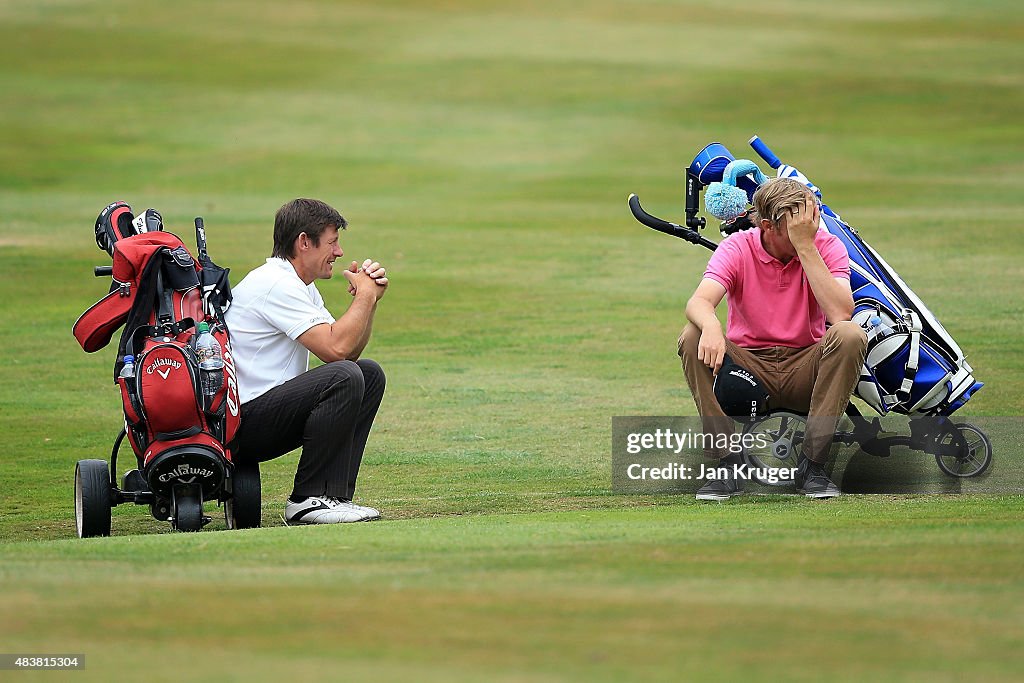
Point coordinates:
[(103, 271), (765, 153), (201, 238)]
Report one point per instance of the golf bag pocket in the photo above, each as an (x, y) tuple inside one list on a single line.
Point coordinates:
[(175, 439), (129, 397), (168, 392), (903, 371)]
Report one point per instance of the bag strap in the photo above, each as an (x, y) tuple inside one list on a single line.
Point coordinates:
[(902, 394), (151, 295), (145, 295), (168, 330), (913, 323)]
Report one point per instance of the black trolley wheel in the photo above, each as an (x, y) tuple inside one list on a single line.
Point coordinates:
[(92, 498), (187, 508), (244, 508), (974, 457)]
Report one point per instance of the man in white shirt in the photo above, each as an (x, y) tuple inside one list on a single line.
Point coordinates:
[(277, 317)]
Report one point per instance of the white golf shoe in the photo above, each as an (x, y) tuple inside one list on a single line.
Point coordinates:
[(327, 510), (373, 513)]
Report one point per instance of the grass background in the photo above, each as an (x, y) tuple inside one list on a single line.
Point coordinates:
[(484, 152)]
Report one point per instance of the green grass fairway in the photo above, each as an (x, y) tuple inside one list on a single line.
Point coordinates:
[(483, 151), (744, 592)]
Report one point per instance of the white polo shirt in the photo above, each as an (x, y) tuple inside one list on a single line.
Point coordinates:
[(270, 308)]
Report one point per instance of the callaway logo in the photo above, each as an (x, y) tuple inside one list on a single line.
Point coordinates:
[(231, 398), (184, 470), (169, 363)]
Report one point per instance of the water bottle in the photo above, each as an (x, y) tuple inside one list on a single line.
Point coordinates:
[(879, 329), (211, 362), (126, 382), (128, 371)]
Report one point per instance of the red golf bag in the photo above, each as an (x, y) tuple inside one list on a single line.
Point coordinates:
[(180, 435)]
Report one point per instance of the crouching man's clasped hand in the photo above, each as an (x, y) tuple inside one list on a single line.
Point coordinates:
[(373, 270)]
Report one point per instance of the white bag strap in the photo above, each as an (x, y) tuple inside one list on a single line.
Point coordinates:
[(913, 322)]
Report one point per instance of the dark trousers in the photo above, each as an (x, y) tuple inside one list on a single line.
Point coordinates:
[(328, 411)]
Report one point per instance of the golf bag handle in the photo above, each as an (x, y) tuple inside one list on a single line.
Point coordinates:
[(764, 152), (666, 227), (103, 271)]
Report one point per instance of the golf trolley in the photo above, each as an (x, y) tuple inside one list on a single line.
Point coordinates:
[(179, 502), (960, 449), (179, 416), (912, 367)]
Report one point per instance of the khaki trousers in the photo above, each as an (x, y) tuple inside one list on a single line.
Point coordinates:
[(817, 380)]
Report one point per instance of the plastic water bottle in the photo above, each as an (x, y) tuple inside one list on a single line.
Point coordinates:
[(211, 361), (128, 371), (879, 328)]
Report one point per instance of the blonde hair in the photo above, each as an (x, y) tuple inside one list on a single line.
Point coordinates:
[(779, 196)]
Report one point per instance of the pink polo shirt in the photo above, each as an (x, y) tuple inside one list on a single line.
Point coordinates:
[(771, 303)]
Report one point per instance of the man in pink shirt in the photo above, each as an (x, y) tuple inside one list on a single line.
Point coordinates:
[(784, 279)]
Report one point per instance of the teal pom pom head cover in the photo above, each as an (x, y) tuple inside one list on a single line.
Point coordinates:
[(724, 200)]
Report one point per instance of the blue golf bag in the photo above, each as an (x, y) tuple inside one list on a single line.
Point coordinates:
[(913, 366)]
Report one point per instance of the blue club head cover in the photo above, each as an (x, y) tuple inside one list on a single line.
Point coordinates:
[(742, 167), (724, 200)]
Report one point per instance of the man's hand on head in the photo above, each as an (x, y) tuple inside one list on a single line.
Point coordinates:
[(802, 223)]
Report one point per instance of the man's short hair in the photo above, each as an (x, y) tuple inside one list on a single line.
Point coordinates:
[(778, 196), (310, 216)]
